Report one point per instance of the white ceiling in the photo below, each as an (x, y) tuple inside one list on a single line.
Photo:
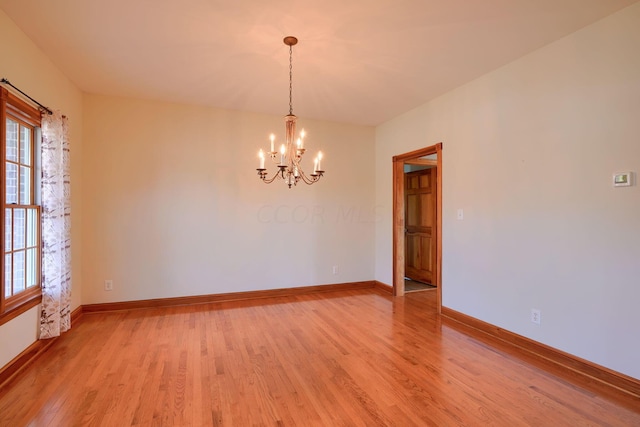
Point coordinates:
[(357, 61)]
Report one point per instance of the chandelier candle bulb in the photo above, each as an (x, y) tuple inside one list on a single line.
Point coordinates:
[(282, 151), (261, 155), (272, 137), (319, 160)]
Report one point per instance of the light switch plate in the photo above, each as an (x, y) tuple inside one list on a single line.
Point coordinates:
[(623, 179)]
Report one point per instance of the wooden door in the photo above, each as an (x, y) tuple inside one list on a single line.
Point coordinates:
[(420, 225)]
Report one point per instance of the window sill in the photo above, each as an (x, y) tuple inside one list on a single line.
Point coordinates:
[(14, 311)]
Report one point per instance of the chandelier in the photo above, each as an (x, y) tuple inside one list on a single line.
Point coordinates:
[(288, 159)]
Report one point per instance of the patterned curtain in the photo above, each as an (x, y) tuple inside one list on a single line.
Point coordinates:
[(55, 317)]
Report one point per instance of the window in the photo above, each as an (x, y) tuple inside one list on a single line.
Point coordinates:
[(20, 215)]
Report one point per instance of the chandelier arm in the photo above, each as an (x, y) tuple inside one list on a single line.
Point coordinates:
[(310, 179), (262, 173), (270, 180)]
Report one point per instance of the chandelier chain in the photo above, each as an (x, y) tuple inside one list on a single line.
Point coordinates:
[(290, 80)]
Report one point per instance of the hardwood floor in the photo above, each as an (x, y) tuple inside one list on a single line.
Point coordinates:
[(352, 358)]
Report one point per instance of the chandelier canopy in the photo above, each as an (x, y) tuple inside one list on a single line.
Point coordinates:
[(288, 159)]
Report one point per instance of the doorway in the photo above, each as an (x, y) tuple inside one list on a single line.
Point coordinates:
[(432, 158), (420, 192)]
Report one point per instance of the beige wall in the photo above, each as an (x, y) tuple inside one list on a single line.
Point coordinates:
[(176, 207), (24, 65), (529, 153)]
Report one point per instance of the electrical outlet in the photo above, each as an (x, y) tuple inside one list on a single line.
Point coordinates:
[(535, 316), (335, 269), (108, 285)]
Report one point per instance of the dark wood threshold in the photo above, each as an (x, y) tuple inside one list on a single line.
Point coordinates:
[(576, 368), (31, 353)]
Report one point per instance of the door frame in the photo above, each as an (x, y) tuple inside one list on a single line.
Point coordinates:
[(398, 219)]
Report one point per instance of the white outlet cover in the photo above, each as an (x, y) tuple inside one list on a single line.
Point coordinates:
[(535, 316)]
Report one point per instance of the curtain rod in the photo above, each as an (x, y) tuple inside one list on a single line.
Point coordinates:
[(5, 81)]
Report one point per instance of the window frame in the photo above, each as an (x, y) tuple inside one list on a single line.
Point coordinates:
[(15, 108)]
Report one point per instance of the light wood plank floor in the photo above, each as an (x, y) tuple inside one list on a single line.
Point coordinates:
[(354, 358)]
